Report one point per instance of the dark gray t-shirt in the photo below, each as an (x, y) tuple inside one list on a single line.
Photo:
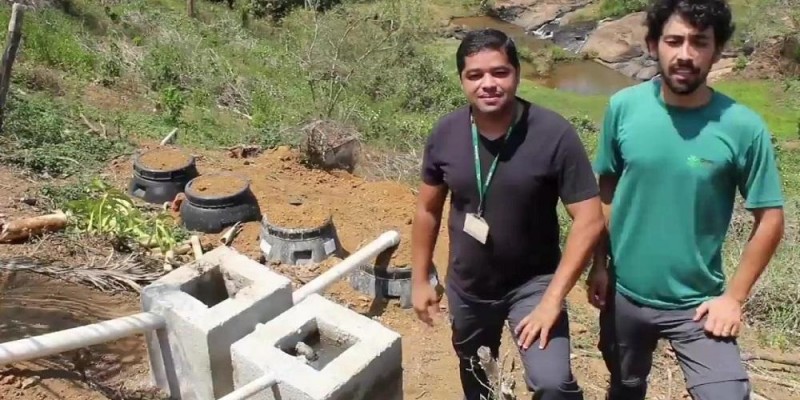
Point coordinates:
[(543, 160)]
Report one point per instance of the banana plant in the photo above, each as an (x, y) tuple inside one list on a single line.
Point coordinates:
[(107, 210)]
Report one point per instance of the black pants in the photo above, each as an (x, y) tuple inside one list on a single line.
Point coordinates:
[(547, 372)]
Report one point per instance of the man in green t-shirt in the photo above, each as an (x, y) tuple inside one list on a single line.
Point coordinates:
[(672, 155)]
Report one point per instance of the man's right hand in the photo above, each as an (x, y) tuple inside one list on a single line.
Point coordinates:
[(425, 301), (598, 287)]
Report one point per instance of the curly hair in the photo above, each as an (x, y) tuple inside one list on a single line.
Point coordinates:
[(700, 13)]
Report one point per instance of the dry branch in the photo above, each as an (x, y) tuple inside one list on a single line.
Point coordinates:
[(784, 360), (757, 396), (227, 238), (22, 229), (170, 137), (126, 274), (169, 260), (777, 381), (500, 385), (197, 248)]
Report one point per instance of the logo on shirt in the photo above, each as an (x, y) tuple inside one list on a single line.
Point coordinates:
[(698, 162)]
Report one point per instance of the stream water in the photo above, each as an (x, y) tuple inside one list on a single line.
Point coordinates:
[(579, 76)]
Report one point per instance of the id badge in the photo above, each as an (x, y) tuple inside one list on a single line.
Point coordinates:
[(476, 227)]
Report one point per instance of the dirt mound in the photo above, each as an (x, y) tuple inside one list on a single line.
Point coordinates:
[(297, 213), (361, 209), (773, 59), (330, 145), (217, 185), (166, 159)]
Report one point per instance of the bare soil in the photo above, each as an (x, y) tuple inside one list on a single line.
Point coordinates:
[(217, 185), (362, 210), (32, 304), (168, 159), (297, 213)]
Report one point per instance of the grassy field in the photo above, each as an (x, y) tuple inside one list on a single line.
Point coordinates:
[(91, 80)]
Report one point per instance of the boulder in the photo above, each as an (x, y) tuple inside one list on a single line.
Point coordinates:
[(646, 73), (532, 14), (618, 40)]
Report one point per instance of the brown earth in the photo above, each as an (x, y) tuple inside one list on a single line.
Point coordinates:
[(32, 304), (167, 159), (297, 213), (213, 185), (362, 210)]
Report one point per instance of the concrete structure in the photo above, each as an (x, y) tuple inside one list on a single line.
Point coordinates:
[(208, 305), (299, 246), (343, 355)]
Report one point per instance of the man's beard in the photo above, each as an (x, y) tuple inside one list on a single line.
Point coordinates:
[(684, 88)]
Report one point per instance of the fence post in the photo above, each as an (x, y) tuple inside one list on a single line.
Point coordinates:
[(9, 55)]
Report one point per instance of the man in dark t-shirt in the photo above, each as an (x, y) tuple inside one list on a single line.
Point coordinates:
[(505, 163)]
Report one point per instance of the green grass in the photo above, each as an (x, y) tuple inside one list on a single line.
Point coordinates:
[(563, 102), (768, 99), (619, 8)]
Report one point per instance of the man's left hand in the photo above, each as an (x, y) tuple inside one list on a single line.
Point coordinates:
[(724, 316), (538, 323)]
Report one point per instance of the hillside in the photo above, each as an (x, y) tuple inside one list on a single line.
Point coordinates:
[(96, 82)]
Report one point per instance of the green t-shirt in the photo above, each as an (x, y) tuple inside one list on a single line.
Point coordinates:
[(679, 170)]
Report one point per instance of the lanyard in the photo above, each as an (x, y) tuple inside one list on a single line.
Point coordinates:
[(484, 186)]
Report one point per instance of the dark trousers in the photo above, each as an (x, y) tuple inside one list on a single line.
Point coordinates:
[(629, 333), (547, 372)]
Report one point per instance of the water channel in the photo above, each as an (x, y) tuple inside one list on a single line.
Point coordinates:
[(579, 76)]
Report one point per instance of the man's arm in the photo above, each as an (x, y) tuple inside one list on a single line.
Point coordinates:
[(578, 191), (608, 185), (765, 236), (425, 230), (760, 185), (587, 225), (428, 214), (608, 165)]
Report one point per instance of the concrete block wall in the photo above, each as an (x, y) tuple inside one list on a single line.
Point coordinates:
[(208, 305), (369, 368)]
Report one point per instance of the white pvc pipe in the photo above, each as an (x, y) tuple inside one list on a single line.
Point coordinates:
[(251, 388), (76, 338), (384, 241)]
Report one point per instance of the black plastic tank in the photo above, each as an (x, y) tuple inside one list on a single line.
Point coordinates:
[(299, 246), (161, 174), (216, 201)]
